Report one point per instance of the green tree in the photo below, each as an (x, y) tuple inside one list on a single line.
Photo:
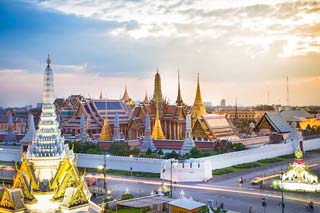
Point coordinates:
[(195, 152), (149, 152), (160, 152), (119, 148), (135, 151), (127, 196), (172, 154)]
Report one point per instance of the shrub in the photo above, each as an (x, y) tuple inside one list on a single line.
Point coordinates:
[(127, 196)]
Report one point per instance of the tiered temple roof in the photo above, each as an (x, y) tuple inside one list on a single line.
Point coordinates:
[(94, 111)]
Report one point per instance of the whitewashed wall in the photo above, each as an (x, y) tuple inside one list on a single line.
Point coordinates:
[(154, 165), (10, 154), (120, 163), (263, 152)]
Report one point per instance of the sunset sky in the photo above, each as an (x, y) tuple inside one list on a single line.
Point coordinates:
[(240, 48)]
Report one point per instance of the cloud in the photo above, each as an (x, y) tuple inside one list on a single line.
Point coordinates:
[(245, 22)]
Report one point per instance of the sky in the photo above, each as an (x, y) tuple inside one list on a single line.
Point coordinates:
[(241, 48)]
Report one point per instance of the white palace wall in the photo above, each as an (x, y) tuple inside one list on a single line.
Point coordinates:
[(120, 163), (154, 165)]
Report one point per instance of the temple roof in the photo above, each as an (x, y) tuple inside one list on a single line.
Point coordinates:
[(95, 110), (277, 122)]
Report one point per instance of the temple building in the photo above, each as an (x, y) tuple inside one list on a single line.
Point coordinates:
[(280, 122), (171, 117), (209, 127), (94, 111), (48, 179), (66, 108)]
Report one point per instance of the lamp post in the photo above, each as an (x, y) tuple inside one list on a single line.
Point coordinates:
[(282, 200), (104, 168), (131, 156), (264, 204), (171, 187)]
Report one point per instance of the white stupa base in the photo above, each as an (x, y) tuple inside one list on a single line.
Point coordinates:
[(44, 204), (46, 167)]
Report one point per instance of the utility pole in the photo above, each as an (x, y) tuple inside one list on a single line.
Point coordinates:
[(104, 174), (171, 187), (282, 200)]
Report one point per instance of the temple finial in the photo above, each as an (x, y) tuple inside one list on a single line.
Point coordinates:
[(198, 109), (179, 101), (101, 96), (48, 60)]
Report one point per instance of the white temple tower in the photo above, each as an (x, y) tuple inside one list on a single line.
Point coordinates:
[(147, 142), (188, 143), (47, 148)]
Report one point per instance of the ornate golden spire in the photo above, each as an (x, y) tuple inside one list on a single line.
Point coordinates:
[(157, 130), (126, 96), (157, 94), (105, 135), (146, 99), (179, 101), (198, 109)]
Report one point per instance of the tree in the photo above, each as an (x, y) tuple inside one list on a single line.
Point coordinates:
[(149, 152), (195, 152), (119, 148), (127, 196), (160, 152), (135, 151), (172, 154)]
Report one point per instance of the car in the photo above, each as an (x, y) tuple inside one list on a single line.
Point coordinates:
[(256, 181)]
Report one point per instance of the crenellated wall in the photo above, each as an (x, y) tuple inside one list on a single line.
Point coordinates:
[(120, 163), (192, 170)]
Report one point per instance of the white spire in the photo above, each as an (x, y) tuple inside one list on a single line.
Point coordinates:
[(48, 140)]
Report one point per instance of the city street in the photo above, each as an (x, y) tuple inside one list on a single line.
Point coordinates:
[(226, 189)]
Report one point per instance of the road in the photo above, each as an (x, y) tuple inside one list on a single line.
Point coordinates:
[(226, 189)]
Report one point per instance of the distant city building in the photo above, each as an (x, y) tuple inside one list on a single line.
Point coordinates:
[(10, 138), (223, 103), (207, 104), (4, 125)]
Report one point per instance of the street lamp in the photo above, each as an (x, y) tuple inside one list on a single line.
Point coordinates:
[(131, 156), (104, 168), (282, 201), (264, 204)]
